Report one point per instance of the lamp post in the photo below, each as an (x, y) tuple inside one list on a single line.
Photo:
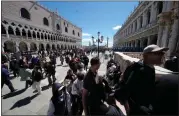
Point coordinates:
[(107, 41), (99, 40)]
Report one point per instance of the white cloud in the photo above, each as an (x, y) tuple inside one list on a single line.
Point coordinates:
[(85, 41), (117, 27), (86, 34)]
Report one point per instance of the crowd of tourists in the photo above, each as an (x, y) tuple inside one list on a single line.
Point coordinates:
[(86, 90)]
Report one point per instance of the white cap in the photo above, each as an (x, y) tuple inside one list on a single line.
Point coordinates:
[(154, 48)]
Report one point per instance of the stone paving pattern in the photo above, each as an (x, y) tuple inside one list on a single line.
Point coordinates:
[(26, 102)]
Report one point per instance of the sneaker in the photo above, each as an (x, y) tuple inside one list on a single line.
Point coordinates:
[(14, 90), (35, 91)]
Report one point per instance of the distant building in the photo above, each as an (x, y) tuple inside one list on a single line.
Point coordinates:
[(152, 22), (28, 26)]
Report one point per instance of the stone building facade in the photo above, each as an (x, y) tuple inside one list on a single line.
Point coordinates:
[(28, 26), (152, 22)]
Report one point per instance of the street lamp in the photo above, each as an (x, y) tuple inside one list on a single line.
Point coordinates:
[(99, 40)]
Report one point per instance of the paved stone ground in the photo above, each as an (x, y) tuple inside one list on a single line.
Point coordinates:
[(25, 102)]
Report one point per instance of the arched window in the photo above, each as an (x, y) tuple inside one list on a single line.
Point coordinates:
[(38, 35), (58, 27), (45, 20), (23, 32), (24, 13), (42, 36), (10, 30), (45, 36), (48, 36), (5, 22), (34, 34), (51, 37), (3, 30), (18, 32), (29, 34), (73, 32), (66, 29), (78, 34)]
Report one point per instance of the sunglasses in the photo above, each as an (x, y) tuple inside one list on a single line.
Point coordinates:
[(158, 53)]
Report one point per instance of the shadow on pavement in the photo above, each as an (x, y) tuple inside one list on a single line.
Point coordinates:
[(59, 65), (23, 102), (14, 93), (45, 87), (65, 66)]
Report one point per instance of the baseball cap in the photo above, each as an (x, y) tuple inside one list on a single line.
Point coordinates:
[(154, 48)]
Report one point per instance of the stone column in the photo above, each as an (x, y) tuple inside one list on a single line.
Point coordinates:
[(165, 21), (20, 32), (14, 30), (17, 46), (138, 23), (144, 19), (26, 31), (7, 33), (141, 42), (133, 30), (173, 40), (2, 47), (136, 41), (28, 46), (149, 42), (153, 12)]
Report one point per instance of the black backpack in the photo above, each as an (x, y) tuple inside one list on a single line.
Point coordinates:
[(126, 76), (59, 104), (36, 75)]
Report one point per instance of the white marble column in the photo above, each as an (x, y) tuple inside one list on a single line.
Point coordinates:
[(2, 48), (133, 30), (28, 46), (26, 31), (149, 42), (153, 12), (17, 47), (7, 33), (144, 22), (14, 30), (174, 39)]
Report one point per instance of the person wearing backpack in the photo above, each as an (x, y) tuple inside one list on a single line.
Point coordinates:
[(60, 102), (36, 78), (137, 90)]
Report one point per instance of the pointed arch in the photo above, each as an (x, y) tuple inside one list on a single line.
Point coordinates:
[(29, 34), (3, 29), (18, 32), (23, 32), (10, 30)]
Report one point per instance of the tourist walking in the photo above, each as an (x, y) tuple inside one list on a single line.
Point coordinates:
[(5, 79)]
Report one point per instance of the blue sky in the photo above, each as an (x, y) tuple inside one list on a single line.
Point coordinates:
[(105, 17)]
